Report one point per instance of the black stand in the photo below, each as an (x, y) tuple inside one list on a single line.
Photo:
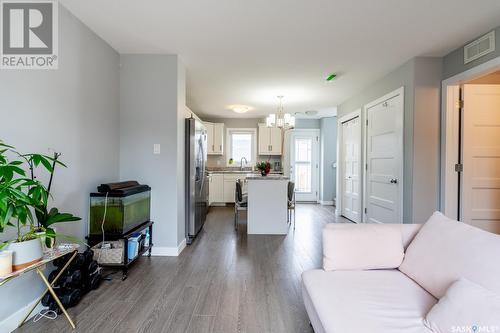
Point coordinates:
[(95, 239)]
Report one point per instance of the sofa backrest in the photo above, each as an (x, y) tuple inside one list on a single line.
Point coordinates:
[(445, 250), (408, 231)]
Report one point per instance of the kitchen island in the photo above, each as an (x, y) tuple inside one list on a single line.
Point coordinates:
[(267, 204)]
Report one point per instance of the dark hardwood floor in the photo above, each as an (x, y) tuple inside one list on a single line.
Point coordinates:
[(226, 281)]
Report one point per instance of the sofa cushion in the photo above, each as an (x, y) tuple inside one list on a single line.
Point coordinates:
[(362, 246), (445, 250), (465, 304), (408, 231), (365, 301)]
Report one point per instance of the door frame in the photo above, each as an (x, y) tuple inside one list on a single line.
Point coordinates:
[(315, 154), (450, 133), (340, 165), (392, 94)]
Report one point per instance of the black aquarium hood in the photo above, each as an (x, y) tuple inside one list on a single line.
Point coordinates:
[(120, 189)]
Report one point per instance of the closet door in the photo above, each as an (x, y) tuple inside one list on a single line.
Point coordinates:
[(351, 169), (384, 160)]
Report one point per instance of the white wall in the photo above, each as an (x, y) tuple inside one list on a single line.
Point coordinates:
[(73, 110), (152, 111)]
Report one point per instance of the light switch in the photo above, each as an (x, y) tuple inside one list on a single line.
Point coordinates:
[(156, 149)]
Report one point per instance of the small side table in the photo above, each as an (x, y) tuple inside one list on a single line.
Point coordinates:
[(55, 253)]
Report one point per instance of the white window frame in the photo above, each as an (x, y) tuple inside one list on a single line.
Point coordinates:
[(229, 149)]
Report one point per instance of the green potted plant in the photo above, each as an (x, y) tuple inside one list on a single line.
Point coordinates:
[(264, 167), (20, 196)]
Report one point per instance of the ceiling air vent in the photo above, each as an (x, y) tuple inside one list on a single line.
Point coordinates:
[(479, 47)]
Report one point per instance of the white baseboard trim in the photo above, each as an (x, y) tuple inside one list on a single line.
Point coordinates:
[(181, 246), (163, 251), (326, 203), (10, 323), (218, 204)]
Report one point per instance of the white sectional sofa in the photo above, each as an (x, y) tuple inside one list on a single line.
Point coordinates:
[(388, 278)]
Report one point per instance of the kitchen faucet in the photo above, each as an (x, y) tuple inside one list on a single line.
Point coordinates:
[(241, 163)]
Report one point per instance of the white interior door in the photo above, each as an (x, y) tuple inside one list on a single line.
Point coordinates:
[(481, 157), (304, 164), (351, 170), (384, 159)]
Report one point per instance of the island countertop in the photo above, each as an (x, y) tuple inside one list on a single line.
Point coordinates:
[(253, 176)]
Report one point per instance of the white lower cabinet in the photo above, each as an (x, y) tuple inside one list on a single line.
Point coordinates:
[(216, 189), (222, 187)]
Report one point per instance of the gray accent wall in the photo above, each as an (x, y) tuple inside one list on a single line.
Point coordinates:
[(421, 80), (152, 89), (328, 182), (453, 62), (307, 123), (73, 110)]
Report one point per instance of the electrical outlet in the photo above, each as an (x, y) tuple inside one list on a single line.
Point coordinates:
[(156, 149)]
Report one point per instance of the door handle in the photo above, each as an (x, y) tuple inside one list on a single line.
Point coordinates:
[(394, 181)]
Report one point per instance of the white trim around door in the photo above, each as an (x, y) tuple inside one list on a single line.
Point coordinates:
[(395, 101), (341, 165)]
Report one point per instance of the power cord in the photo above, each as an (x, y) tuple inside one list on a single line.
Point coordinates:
[(104, 217), (102, 225), (45, 313)]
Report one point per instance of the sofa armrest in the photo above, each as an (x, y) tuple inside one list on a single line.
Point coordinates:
[(365, 246)]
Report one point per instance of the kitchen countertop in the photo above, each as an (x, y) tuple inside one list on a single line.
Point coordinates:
[(243, 171), (257, 176)]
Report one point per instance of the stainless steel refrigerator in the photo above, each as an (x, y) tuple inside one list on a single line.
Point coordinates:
[(196, 178)]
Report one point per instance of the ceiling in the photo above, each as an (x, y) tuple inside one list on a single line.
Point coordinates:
[(247, 52)]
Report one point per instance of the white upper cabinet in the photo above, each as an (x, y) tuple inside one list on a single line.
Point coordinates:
[(210, 137), (215, 142), (276, 140), (270, 140), (218, 139)]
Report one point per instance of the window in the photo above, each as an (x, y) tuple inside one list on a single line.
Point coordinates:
[(241, 142)]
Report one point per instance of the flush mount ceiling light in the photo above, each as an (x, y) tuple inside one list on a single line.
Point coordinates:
[(240, 108), (280, 119)]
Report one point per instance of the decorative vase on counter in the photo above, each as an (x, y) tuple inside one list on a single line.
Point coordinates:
[(25, 253), (5, 263)]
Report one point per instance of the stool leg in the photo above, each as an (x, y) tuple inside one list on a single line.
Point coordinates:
[(51, 284)]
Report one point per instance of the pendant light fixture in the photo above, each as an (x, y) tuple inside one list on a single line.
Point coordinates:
[(280, 119)]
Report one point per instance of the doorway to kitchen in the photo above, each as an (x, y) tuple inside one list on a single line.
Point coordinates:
[(304, 164)]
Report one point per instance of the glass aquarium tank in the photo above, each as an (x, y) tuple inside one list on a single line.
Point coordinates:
[(126, 204)]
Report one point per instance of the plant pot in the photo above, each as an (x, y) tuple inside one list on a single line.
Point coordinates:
[(43, 238), (263, 173), (25, 253), (5, 263)]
